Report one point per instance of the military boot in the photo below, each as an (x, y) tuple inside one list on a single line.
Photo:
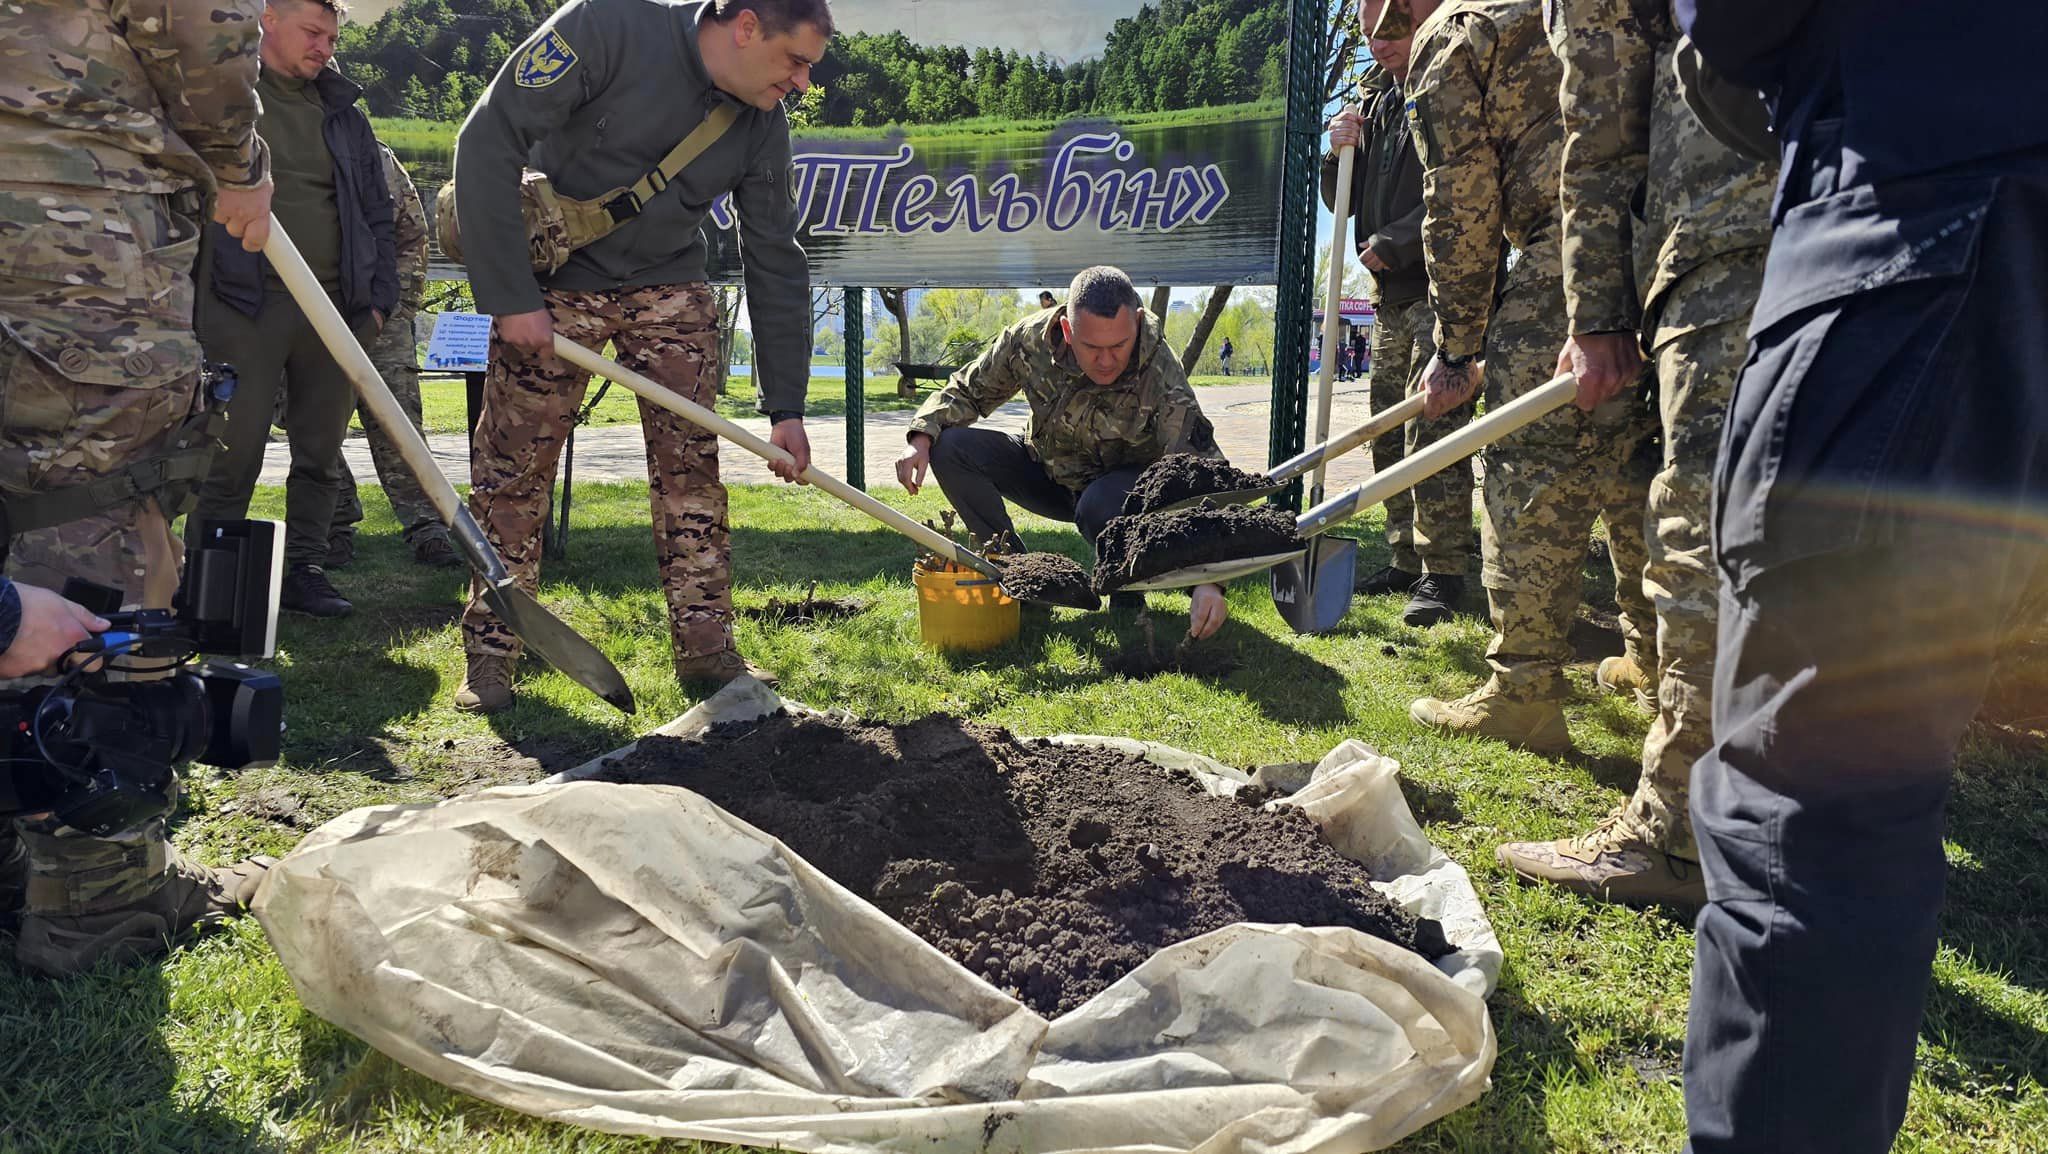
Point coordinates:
[(1627, 674), (1386, 579), (720, 668), (487, 683), (1537, 726), (126, 899), (13, 876), (436, 551), (1610, 864)]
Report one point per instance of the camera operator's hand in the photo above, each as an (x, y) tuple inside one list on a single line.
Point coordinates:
[(50, 626)]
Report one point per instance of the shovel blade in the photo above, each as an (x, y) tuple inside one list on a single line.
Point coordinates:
[(1313, 593), (557, 644)]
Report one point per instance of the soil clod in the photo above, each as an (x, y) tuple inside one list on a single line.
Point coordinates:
[(1135, 549), (1180, 476), (1049, 577), (1049, 870)]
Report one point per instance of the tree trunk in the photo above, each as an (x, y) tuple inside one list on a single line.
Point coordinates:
[(1218, 298), (1161, 296), (893, 300), (729, 299)]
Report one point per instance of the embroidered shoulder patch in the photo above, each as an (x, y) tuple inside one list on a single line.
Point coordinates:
[(547, 61)]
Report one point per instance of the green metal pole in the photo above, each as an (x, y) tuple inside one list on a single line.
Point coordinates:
[(856, 387), (1308, 35)]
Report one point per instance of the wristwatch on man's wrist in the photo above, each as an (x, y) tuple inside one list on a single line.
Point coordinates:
[(1451, 362)]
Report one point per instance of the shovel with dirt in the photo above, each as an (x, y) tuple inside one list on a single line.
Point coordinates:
[(1184, 547), (1043, 578), (544, 633)]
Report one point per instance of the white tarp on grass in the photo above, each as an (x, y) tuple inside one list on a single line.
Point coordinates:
[(635, 959)]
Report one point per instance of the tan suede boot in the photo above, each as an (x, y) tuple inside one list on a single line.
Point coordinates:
[(486, 685), (1537, 726), (1611, 864), (721, 667), (1627, 674)]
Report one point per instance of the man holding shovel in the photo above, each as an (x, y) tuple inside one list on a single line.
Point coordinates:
[(1682, 291), (1107, 399), (1482, 101), (596, 99), (1429, 528)]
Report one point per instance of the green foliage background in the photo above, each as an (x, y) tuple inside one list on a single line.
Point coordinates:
[(432, 59)]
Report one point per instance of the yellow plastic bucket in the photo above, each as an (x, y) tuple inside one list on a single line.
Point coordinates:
[(963, 610)]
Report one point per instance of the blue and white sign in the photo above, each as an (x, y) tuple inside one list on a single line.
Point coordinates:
[(461, 343)]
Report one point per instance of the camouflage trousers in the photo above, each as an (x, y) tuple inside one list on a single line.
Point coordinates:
[(116, 374), (1696, 373), (1546, 485), (670, 334), (1429, 527), (396, 356)]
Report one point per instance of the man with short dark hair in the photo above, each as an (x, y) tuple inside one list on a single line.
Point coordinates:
[(596, 98), (1107, 399), (1045, 299), (332, 200)]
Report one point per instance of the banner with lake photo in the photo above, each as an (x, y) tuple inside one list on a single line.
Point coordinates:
[(980, 142)]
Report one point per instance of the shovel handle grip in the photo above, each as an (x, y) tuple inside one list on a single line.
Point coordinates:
[(1333, 321), (334, 332), (1433, 459), (704, 418), (1381, 422)]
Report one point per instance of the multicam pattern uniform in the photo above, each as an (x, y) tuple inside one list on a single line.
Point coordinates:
[(115, 117), (396, 355), (1686, 276), (1079, 430), (668, 333), (1482, 98)]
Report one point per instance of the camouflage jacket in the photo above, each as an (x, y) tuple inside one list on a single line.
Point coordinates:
[(409, 231), (153, 96), (1079, 430), (1628, 131), (1482, 100)]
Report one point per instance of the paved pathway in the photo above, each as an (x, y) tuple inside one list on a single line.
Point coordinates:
[(615, 453)]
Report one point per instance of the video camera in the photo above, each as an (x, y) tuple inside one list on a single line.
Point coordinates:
[(100, 745)]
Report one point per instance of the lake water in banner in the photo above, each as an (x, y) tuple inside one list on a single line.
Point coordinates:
[(1237, 244)]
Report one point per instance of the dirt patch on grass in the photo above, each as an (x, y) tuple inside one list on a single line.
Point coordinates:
[(806, 610), (1049, 870), (1134, 549), (1180, 476)]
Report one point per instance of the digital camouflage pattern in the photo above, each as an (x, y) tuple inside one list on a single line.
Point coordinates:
[(1686, 276), (1482, 103), (1628, 130), (1429, 527), (1545, 486), (1079, 430), (668, 333), (395, 353)]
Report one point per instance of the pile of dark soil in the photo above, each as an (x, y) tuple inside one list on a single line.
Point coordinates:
[(1049, 870), (1136, 548), (1053, 578), (1179, 476)]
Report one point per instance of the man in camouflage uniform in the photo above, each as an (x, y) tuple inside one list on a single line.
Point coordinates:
[(1107, 399), (1482, 99), (596, 98), (1429, 528), (118, 119), (1681, 289), (395, 352)]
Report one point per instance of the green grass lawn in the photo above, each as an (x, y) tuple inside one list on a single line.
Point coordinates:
[(212, 1051)]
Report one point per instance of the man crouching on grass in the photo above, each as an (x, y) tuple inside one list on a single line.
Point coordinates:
[(1107, 399)]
